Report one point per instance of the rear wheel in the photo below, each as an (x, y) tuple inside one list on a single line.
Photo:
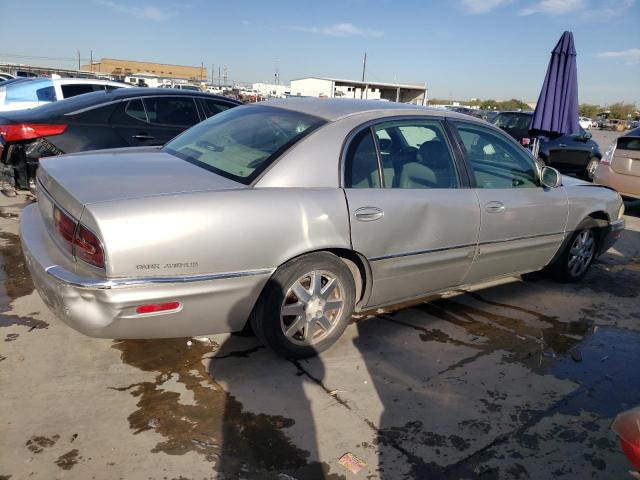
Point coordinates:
[(591, 167), (305, 306), (575, 260)]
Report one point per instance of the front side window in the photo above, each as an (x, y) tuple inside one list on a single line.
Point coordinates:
[(416, 155), (179, 111), (213, 107), (241, 142), (72, 90), (495, 161)]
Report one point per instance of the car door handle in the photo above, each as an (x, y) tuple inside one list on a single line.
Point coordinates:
[(562, 145), (143, 136), (494, 207), (369, 214)]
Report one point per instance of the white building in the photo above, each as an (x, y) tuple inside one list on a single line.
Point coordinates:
[(271, 89), (340, 88)]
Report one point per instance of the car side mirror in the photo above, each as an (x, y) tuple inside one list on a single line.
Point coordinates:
[(550, 177)]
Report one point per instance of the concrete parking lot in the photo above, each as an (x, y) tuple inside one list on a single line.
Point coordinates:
[(519, 379)]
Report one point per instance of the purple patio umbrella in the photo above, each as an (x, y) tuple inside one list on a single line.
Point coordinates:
[(557, 108)]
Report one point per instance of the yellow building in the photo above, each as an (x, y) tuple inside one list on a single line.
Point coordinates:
[(112, 66)]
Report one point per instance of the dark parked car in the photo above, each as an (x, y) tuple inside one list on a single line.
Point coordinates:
[(126, 117), (574, 154)]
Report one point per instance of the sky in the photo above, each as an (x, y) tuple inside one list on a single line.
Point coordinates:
[(461, 48)]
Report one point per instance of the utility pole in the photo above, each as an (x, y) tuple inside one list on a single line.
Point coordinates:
[(91, 61), (78, 60), (219, 85), (277, 75), (225, 76), (364, 67)]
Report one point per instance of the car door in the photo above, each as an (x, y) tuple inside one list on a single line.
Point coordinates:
[(411, 213), (130, 122), (569, 153), (522, 223), (169, 116)]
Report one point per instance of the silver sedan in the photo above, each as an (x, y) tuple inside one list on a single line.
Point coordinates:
[(293, 214)]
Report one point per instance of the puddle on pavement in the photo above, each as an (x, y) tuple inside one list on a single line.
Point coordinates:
[(238, 443), (15, 275), (69, 459), (15, 282)]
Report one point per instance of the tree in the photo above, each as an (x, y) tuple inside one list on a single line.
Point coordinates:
[(622, 110), (513, 104), (589, 110)]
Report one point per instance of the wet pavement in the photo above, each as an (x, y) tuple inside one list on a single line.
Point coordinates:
[(519, 379)]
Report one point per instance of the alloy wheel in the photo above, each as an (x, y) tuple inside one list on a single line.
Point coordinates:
[(581, 252), (312, 307)]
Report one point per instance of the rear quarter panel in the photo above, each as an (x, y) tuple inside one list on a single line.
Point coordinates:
[(217, 232)]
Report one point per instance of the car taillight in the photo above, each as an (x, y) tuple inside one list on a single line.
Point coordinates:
[(88, 247), (608, 154), (65, 226), (78, 240), (28, 131)]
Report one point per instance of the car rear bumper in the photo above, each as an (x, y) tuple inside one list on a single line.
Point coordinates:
[(625, 185), (106, 308), (611, 235)]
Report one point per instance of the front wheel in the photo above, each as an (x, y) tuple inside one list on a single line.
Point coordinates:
[(574, 262), (305, 306)]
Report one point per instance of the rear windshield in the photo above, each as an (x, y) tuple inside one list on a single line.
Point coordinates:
[(29, 91), (241, 142), (629, 143), (513, 121)]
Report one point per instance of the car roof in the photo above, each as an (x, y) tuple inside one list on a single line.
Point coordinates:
[(335, 109), (633, 133), (94, 99)]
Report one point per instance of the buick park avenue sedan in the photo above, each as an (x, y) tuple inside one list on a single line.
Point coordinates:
[(292, 214)]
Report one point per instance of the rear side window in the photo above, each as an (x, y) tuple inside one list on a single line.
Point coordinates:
[(213, 107), (135, 109), (628, 143), (30, 91), (242, 142), (179, 111), (361, 162)]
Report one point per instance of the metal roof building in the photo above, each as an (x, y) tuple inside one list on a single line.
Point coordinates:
[(340, 88)]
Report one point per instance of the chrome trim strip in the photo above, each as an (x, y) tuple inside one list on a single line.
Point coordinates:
[(70, 278), (523, 238), (434, 250), (420, 252)]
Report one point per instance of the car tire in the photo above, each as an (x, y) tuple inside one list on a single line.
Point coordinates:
[(298, 314), (578, 254), (592, 164)]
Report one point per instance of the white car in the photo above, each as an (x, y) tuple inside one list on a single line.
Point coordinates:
[(585, 123), (31, 93)]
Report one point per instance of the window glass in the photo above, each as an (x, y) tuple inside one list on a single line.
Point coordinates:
[(495, 161), (213, 107), (77, 89), (416, 155), (362, 162), (135, 109), (172, 111), (241, 142), (29, 91)]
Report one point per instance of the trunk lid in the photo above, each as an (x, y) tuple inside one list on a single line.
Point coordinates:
[(79, 179), (626, 158)]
